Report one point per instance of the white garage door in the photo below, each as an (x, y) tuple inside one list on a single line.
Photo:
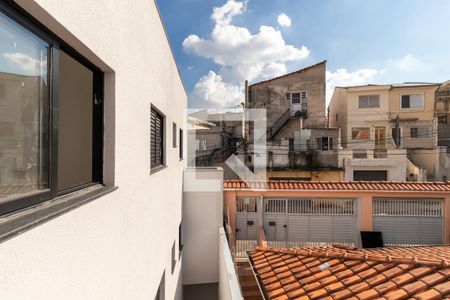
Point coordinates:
[(310, 221), (409, 221)]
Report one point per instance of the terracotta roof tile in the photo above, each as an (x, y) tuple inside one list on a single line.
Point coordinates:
[(339, 273), (290, 185)]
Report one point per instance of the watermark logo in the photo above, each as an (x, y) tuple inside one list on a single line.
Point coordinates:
[(233, 139)]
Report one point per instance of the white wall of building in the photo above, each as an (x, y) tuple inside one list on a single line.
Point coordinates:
[(202, 218), (118, 246)]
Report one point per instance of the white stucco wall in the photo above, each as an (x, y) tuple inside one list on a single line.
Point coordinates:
[(202, 218), (118, 246)]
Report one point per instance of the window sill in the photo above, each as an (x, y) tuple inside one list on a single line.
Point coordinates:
[(20, 221), (157, 169)]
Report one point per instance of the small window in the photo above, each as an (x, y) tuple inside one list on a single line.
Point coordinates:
[(360, 133), (412, 101), (420, 132), (360, 153), (370, 175), (174, 260), (288, 97), (324, 143), (180, 239), (337, 117), (296, 98), (174, 135), (181, 143), (369, 101), (200, 145), (157, 139)]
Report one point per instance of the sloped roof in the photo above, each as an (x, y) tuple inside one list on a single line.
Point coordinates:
[(289, 74), (298, 185), (337, 273)]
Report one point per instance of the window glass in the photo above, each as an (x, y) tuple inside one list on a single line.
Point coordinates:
[(24, 111), (75, 123), (371, 101), (296, 98), (414, 133), (174, 135), (412, 101), (181, 143)]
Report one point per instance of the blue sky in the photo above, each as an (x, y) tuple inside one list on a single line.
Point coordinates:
[(363, 42)]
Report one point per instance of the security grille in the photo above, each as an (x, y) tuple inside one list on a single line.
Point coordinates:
[(275, 206), (321, 206), (247, 205), (393, 207), (156, 139), (409, 222)]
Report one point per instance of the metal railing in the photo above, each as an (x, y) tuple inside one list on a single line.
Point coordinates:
[(242, 246), (310, 206), (394, 207), (300, 244), (247, 204)]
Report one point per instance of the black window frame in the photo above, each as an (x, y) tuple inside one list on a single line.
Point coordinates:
[(173, 257), (181, 144), (56, 44), (174, 135), (180, 239), (162, 164)]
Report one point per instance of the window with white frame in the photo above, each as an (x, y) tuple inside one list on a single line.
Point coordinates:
[(412, 101), (296, 97), (369, 101)]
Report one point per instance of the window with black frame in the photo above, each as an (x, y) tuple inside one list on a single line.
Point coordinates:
[(157, 148), (51, 134), (181, 144)]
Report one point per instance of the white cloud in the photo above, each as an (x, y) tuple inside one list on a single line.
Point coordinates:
[(241, 54), (28, 64), (342, 77), (284, 20), (406, 63), (213, 89), (224, 15)]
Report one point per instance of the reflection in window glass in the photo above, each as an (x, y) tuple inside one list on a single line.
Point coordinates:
[(24, 110), (75, 123)]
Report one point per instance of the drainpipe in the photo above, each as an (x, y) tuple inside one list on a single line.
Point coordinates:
[(261, 234)]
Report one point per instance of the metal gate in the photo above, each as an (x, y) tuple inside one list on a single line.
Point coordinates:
[(409, 221), (300, 222), (246, 226), (247, 218)]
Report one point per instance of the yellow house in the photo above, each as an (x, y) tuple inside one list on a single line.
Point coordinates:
[(389, 132)]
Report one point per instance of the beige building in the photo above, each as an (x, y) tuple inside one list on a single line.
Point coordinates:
[(290, 98), (389, 132), (298, 140)]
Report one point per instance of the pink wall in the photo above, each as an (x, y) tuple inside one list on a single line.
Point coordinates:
[(365, 203)]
